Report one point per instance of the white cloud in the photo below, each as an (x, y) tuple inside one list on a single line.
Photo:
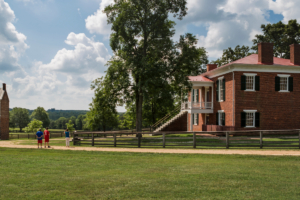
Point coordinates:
[(97, 23), (87, 56), (229, 22), (288, 8), (12, 43)]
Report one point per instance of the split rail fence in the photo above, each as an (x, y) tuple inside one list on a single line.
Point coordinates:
[(33, 136), (243, 139)]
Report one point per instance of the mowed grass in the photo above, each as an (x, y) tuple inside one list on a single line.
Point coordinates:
[(54, 174)]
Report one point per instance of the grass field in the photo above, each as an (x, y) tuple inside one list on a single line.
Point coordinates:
[(44, 174)]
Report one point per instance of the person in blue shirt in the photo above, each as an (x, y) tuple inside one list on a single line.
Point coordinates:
[(39, 136), (67, 134)]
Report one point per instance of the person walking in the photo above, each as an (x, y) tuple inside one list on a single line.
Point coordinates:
[(39, 136), (67, 134), (47, 136)]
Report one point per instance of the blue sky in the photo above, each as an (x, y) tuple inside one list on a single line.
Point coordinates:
[(51, 50)]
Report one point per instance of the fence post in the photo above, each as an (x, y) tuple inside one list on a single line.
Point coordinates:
[(115, 140), (18, 136), (194, 140), (92, 139), (73, 139), (139, 140), (227, 140), (299, 139), (164, 140), (60, 134), (261, 139), (28, 136)]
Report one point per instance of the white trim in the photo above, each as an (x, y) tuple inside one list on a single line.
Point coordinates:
[(250, 74), (250, 110), (220, 111), (283, 75), (221, 78), (292, 69)]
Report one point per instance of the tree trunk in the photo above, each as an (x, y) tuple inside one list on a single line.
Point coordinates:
[(20, 129), (139, 114)]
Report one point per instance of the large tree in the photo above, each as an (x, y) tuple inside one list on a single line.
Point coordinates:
[(281, 35), (145, 57), (79, 122), (40, 114), (102, 114), (19, 117)]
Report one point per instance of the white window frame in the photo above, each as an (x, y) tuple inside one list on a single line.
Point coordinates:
[(250, 111), (287, 80), (220, 84), (195, 122), (220, 117), (253, 75)]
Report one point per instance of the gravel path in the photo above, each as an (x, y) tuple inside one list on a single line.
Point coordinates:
[(9, 144)]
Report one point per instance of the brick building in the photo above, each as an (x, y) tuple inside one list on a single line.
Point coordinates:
[(4, 113), (258, 92)]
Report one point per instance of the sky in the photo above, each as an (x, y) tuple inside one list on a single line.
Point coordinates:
[(51, 50)]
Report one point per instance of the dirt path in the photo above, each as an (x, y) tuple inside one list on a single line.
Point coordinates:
[(10, 144)]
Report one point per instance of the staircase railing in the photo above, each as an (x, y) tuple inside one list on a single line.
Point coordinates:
[(166, 118)]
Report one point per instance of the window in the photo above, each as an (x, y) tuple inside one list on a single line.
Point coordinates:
[(220, 89), (196, 119), (195, 95), (250, 82), (221, 118), (250, 118), (283, 83)]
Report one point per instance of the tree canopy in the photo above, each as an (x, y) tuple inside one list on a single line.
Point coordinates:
[(19, 117), (40, 114), (281, 35), (230, 55), (146, 62)]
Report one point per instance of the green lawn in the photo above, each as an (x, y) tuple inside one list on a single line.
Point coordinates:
[(53, 174)]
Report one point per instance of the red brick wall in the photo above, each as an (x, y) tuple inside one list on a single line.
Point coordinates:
[(226, 105), (278, 110), (200, 123), (179, 124), (4, 120)]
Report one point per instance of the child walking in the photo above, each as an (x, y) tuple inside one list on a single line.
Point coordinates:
[(67, 134)]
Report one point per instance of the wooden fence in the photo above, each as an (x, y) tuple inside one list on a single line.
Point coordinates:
[(259, 139), (33, 136)]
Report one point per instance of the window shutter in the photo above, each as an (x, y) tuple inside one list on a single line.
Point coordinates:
[(197, 96), (257, 119), (224, 89), (257, 86), (217, 91), (243, 82), (243, 119), (277, 83), (217, 123), (197, 122), (223, 119), (193, 96), (192, 119), (291, 84)]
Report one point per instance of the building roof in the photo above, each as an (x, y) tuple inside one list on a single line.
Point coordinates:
[(250, 60), (199, 78)]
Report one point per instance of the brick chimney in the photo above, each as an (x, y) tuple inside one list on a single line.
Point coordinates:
[(4, 87), (265, 53), (210, 67), (295, 54)]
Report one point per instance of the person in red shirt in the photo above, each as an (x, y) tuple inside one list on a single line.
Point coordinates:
[(46, 135)]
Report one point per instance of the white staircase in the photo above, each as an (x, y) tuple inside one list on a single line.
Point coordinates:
[(170, 121)]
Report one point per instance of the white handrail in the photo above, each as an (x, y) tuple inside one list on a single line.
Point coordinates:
[(196, 105)]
